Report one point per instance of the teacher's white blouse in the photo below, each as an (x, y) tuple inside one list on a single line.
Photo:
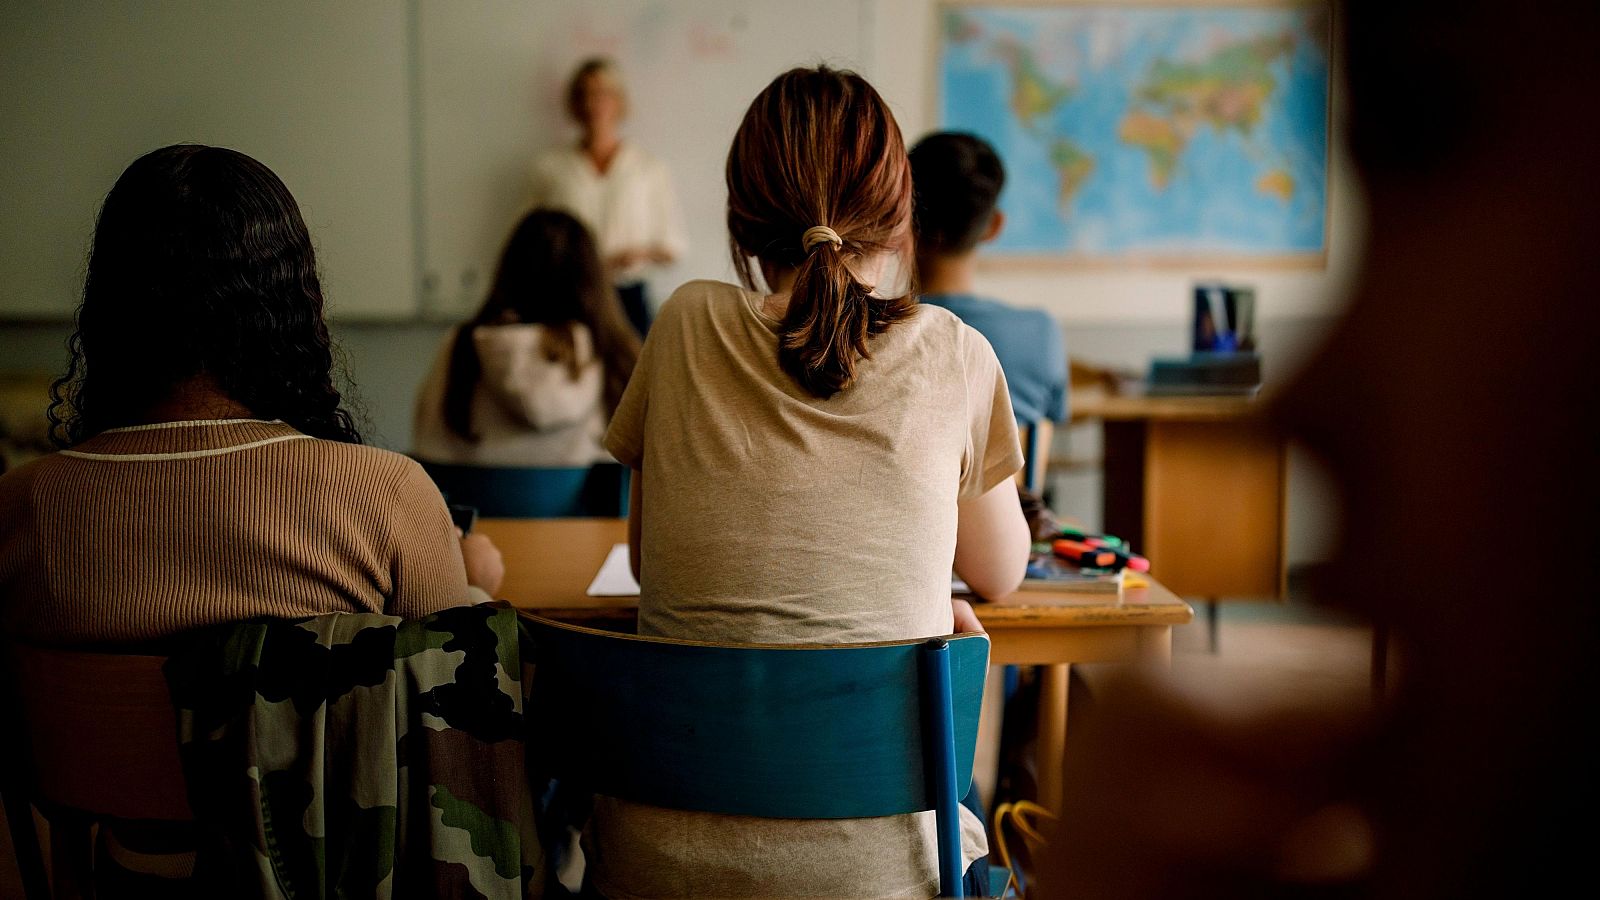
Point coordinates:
[(631, 207)]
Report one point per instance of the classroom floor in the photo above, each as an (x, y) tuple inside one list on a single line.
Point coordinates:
[(1270, 654)]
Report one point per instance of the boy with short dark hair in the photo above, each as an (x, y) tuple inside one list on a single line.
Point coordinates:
[(957, 178)]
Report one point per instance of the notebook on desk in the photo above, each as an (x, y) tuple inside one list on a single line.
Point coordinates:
[(615, 578), (1064, 577), (1047, 571)]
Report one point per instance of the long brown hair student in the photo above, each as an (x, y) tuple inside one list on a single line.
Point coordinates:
[(819, 203), (549, 275), (810, 464)]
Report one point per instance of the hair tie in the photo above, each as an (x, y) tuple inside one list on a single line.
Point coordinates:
[(820, 234)]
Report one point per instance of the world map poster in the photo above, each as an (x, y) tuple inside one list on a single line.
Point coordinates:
[(1147, 133)]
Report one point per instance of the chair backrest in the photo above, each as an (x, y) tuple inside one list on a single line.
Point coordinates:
[(779, 731), (1036, 438), (531, 493), (100, 733)]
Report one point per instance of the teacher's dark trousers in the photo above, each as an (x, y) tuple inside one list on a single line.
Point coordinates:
[(632, 296)]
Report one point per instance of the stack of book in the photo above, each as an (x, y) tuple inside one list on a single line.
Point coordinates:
[(1077, 561), (1047, 570)]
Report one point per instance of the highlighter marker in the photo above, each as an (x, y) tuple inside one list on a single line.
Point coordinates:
[(1106, 540), (1088, 556)]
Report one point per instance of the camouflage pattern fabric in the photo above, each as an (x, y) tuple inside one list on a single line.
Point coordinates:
[(360, 755)]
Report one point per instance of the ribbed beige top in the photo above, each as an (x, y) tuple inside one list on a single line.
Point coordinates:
[(140, 533)]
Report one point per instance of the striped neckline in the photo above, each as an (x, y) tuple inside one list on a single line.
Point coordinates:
[(188, 423), (184, 454), (192, 439)]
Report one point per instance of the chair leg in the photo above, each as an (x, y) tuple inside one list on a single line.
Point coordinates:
[(71, 857), (1214, 624)]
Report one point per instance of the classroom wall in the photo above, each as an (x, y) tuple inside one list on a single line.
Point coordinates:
[(317, 91), (1109, 316)]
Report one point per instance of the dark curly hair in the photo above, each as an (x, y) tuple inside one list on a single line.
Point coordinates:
[(201, 266)]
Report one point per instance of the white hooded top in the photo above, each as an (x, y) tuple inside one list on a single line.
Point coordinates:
[(527, 409)]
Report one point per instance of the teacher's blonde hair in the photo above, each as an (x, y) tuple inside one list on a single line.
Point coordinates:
[(606, 72)]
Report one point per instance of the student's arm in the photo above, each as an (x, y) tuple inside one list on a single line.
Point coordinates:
[(425, 563), (625, 441), (966, 621), (992, 538), (635, 520), (625, 437), (992, 542), (486, 567)]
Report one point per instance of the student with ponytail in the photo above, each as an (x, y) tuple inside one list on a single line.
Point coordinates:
[(812, 458)]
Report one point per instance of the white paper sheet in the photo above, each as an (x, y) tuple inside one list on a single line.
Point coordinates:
[(615, 578)]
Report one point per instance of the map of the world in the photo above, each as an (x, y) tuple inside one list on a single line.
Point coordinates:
[(1143, 132)]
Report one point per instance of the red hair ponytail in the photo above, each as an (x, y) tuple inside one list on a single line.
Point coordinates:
[(819, 147)]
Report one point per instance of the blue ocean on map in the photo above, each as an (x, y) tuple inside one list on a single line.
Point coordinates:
[(1185, 132)]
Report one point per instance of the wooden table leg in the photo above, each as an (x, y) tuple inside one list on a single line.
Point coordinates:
[(1155, 646), (1052, 740), (986, 757)]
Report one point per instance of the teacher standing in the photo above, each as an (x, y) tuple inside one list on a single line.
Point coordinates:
[(623, 194)]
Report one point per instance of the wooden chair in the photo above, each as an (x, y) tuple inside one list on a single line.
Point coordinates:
[(501, 492), (98, 740), (778, 731)]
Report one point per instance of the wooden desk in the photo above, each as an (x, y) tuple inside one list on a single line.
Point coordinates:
[(550, 562), (1199, 485)]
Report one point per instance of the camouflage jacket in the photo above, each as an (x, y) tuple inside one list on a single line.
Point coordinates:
[(359, 755)]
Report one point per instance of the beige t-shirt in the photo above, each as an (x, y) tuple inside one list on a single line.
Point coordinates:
[(770, 515)]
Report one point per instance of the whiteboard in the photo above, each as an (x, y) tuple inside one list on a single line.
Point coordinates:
[(318, 91), (493, 75)]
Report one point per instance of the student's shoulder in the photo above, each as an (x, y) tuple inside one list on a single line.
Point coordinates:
[(936, 316), (696, 298), (937, 323), (1028, 314), (17, 485), (514, 337), (1015, 326), (992, 310), (356, 467)]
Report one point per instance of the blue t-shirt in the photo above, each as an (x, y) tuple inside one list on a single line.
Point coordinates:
[(1031, 352)]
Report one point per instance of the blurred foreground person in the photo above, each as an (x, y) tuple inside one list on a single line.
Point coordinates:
[(1455, 406)]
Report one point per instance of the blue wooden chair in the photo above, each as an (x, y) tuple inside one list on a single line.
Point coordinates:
[(1035, 455), (803, 732), (501, 492)]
